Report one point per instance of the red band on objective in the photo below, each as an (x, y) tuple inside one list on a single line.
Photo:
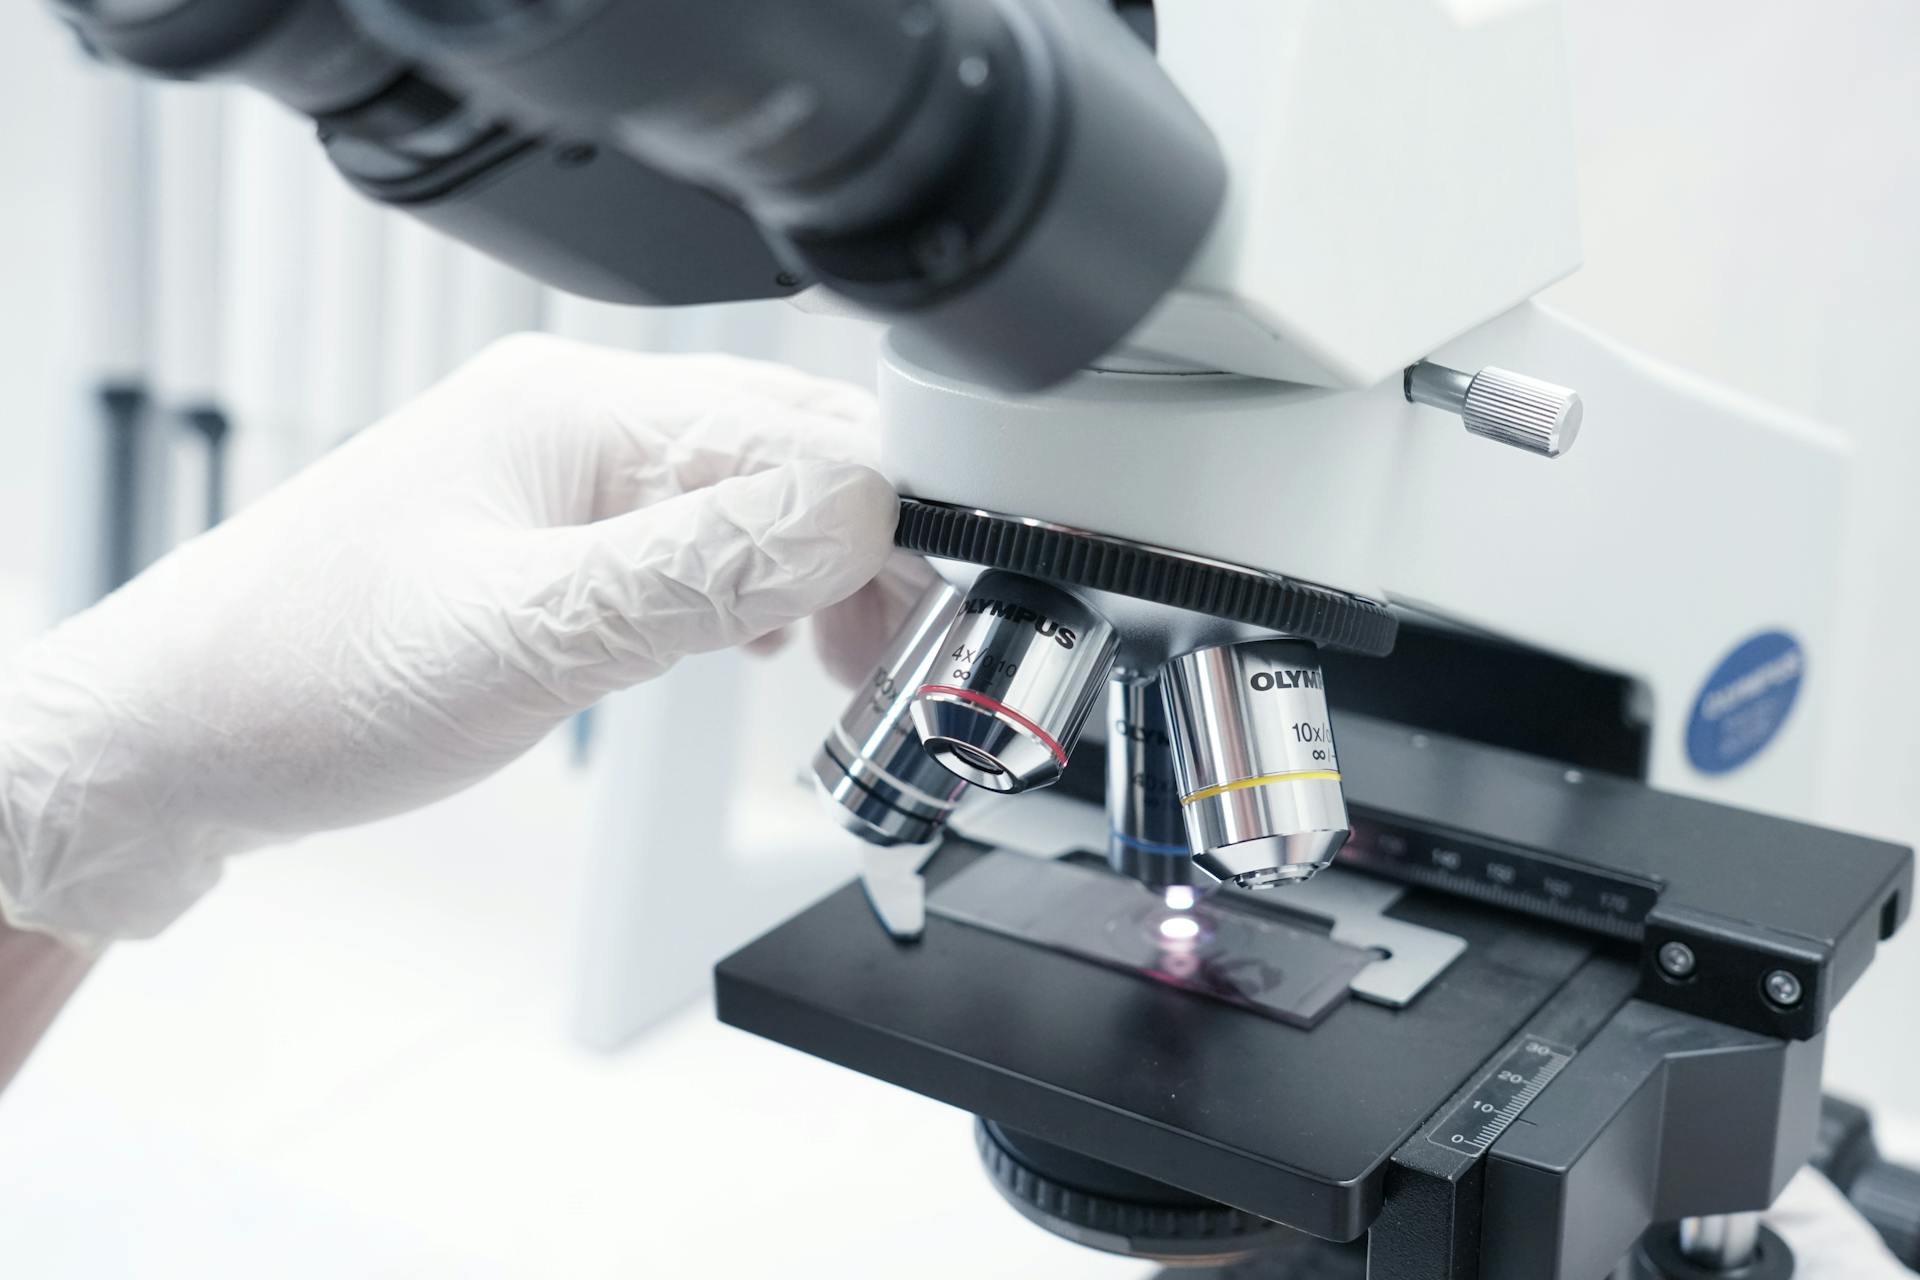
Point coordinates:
[(999, 708)]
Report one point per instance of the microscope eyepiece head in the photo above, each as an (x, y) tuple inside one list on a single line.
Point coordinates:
[(1015, 183), (308, 54)]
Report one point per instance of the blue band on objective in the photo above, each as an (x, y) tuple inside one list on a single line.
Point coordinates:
[(1152, 846)]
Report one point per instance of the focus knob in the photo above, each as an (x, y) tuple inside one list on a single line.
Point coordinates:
[(1886, 1194), (1102, 1206), (1498, 404), (1888, 1197)]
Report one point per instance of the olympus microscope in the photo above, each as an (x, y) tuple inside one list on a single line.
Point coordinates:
[(1414, 914)]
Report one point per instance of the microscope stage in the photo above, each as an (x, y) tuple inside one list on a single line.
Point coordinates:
[(1293, 1124)]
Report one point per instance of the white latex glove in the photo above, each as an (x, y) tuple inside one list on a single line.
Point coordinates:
[(1829, 1238), (551, 523)]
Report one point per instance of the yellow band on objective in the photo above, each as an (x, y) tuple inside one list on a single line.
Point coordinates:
[(1264, 780)]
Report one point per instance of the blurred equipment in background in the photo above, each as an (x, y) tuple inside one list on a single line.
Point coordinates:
[(1240, 286)]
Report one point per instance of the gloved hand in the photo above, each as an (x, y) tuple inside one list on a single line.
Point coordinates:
[(1829, 1238), (551, 523)]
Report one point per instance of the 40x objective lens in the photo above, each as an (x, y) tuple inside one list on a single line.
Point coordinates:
[(1147, 834)]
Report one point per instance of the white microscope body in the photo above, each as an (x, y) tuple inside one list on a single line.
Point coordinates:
[(1402, 184)]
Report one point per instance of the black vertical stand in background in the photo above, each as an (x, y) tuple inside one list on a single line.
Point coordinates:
[(212, 424), (123, 413), (126, 415)]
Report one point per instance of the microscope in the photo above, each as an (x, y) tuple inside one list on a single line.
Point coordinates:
[(1312, 840)]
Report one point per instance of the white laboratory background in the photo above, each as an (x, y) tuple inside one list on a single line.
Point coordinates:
[(473, 1041)]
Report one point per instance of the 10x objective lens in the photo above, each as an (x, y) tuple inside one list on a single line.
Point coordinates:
[(1253, 751), (1005, 699)]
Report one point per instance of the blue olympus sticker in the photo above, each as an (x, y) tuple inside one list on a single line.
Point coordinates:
[(1745, 702)]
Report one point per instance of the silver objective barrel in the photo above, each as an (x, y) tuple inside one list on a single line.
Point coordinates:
[(1253, 751), (877, 781), (1011, 689), (1147, 837)]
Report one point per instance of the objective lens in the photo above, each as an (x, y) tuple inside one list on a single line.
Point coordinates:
[(1258, 775), (1012, 686), (1147, 836), (877, 781)]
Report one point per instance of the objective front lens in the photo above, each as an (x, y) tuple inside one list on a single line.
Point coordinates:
[(1259, 777), (974, 758)]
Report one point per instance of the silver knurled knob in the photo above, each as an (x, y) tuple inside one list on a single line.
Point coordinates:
[(1501, 405)]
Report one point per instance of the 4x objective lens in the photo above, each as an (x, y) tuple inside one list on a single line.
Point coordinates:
[(877, 781), (1005, 699), (1253, 751)]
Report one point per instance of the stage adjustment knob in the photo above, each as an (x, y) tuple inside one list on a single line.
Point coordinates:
[(1501, 405)]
